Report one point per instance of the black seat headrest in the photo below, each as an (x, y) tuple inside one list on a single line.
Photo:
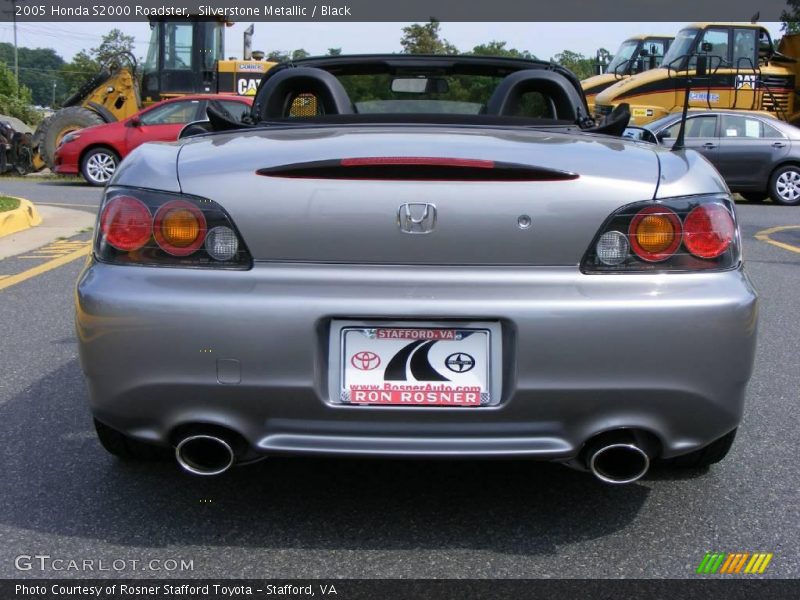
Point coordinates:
[(279, 90), (562, 95)]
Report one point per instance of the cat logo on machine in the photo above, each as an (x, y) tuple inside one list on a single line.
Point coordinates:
[(247, 86), (749, 82)]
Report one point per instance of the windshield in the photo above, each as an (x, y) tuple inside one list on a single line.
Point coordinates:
[(626, 52), (455, 94), (680, 47)]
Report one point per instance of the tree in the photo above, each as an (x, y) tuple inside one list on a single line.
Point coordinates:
[(38, 69), (113, 43), (576, 62), (278, 56), (77, 72), (15, 100), (284, 56), (425, 39), (334, 51), (791, 18), (86, 64), (497, 48)]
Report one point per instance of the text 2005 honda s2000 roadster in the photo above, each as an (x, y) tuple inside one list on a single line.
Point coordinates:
[(421, 257)]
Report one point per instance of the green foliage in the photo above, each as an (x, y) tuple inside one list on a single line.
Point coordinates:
[(16, 101), (496, 48), (425, 39), (38, 69), (576, 62), (334, 51), (283, 55), (87, 64), (791, 17), (74, 74), (113, 43)]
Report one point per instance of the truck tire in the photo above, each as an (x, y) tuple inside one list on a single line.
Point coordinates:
[(51, 130)]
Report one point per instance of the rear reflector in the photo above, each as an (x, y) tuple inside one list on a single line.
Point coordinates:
[(655, 233), (708, 230), (126, 223), (416, 168)]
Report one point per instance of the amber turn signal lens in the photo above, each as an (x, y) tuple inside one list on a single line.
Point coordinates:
[(180, 228), (655, 233)]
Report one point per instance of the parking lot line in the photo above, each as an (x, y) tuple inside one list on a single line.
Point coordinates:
[(764, 236), (12, 280)]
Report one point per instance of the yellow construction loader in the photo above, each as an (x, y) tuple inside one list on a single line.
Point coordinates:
[(184, 57), (635, 55), (745, 72)]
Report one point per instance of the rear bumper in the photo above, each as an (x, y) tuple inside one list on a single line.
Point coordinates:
[(669, 354)]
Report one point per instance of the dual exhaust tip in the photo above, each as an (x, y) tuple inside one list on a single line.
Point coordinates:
[(205, 454), (616, 458)]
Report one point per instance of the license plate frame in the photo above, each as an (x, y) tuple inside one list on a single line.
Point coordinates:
[(435, 343)]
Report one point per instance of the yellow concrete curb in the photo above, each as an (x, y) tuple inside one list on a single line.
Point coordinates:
[(23, 217)]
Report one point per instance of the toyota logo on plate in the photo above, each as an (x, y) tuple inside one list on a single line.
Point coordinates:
[(365, 360)]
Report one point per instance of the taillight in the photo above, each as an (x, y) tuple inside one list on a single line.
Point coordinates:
[(694, 233), (708, 231), (126, 223), (179, 228), (146, 227), (655, 233)]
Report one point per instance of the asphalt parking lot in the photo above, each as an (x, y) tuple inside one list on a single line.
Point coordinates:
[(63, 496)]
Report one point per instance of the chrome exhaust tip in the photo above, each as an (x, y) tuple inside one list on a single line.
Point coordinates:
[(619, 463), (204, 454)]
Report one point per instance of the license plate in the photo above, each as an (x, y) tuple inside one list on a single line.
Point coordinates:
[(415, 366)]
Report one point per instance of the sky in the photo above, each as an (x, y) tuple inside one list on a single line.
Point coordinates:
[(542, 39)]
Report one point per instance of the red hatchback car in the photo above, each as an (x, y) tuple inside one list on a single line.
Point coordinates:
[(96, 151)]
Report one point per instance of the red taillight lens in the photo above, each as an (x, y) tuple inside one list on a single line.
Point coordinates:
[(708, 230), (655, 233), (179, 228), (126, 223)]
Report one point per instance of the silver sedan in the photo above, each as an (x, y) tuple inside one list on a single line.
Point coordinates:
[(466, 275)]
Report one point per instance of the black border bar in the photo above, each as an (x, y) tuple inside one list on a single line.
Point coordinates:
[(730, 588), (405, 11)]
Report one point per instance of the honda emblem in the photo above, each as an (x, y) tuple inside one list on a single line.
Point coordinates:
[(416, 217)]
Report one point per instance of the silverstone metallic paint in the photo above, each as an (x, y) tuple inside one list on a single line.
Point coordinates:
[(668, 354)]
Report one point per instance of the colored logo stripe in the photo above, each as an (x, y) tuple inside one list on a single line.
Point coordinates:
[(734, 562)]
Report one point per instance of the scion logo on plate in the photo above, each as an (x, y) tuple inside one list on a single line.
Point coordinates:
[(459, 362), (365, 361)]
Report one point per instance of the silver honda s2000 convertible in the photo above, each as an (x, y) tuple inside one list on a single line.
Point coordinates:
[(419, 257)]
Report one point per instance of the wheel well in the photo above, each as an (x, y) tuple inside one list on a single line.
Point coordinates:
[(786, 163), (95, 147)]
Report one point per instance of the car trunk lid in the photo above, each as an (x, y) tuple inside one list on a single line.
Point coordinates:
[(418, 195)]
